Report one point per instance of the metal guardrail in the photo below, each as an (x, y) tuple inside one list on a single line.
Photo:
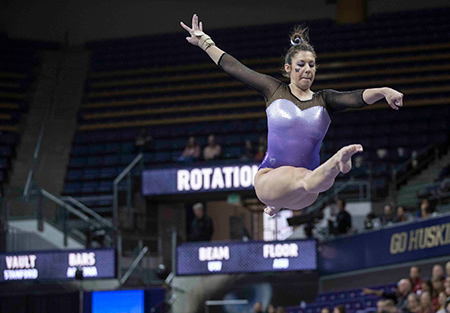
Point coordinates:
[(401, 173), (133, 265), (223, 302), (26, 189), (88, 211), (339, 187), (125, 172)]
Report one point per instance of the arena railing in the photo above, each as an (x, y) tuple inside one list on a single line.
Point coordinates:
[(414, 165), (410, 194)]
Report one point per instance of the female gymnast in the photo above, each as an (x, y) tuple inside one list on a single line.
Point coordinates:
[(297, 121)]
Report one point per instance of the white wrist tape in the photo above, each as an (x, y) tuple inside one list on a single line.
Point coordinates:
[(204, 41)]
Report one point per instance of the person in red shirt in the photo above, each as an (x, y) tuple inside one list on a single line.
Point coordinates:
[(438, 286), (414, 277)]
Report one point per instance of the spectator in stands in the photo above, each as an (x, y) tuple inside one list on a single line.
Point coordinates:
[(442, 302), (248, 153), (191, 153), (400, 215), (425, 302), (387, 216), (143, 142), (447, 269), (369, 221), (414, 277), (261, 150), (448, 307), (438, 287), (257, 307), (343, 220), (213, 150), (281, 309), (325, 310), (425, 286), (399, 296), (202, 227), (447, 287), (380, 306), (413, 303), (425, 209), (259, 155), (437, 271), (389, 307), (262, 141), (271, 308), (339, 309)]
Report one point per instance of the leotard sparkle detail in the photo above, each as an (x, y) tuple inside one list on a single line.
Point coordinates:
[(296, 128)]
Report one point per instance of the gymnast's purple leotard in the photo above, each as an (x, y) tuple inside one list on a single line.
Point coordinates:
[(296, 128)]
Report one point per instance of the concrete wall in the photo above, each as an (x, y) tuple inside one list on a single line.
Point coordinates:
[(85, 20)]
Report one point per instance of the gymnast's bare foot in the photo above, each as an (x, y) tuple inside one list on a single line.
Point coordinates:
[(342, 160), (271, 211), (322, 178)]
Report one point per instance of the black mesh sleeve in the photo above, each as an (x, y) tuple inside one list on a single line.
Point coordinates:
[(338, 101), (265, 84)]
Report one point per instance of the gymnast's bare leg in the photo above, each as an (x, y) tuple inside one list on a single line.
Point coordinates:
[(297, 188)]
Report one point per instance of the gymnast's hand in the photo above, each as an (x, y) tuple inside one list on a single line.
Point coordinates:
[(393, 98), (195, 26)]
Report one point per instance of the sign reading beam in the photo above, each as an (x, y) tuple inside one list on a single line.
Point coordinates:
[(198, 179)]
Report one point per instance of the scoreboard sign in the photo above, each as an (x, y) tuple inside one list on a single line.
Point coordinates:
[(200, 179), (205, 258), (57, 265)]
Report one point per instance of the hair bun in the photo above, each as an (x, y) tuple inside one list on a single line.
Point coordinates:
[(296, 41)]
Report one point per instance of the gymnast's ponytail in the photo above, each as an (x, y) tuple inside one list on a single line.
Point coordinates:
[(299, 38)]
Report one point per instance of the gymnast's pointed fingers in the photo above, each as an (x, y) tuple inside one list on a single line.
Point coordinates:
[(185, 27), (193, 21), (201, 26)]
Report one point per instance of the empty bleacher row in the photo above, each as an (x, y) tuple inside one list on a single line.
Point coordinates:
[(353, 300), (175, 92), (19, 61)]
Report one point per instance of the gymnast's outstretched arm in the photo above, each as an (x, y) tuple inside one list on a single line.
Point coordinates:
[(337, 101), (262, 83)]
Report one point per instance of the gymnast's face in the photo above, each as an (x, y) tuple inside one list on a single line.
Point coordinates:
[(302, 70)]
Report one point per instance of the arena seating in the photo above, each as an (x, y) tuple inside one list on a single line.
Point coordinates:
[(353, 300), (172, 92), (19, 61)]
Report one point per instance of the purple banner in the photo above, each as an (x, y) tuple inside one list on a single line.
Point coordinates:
[(428, 238)]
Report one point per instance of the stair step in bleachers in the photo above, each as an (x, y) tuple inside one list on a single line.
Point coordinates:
[(19, 62)]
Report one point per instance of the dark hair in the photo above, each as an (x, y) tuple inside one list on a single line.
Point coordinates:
[(340, 308), (416, 266), (300, 42)]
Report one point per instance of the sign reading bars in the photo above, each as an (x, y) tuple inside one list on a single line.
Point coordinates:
[(57, 265), (205, 258), (198, 179)]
